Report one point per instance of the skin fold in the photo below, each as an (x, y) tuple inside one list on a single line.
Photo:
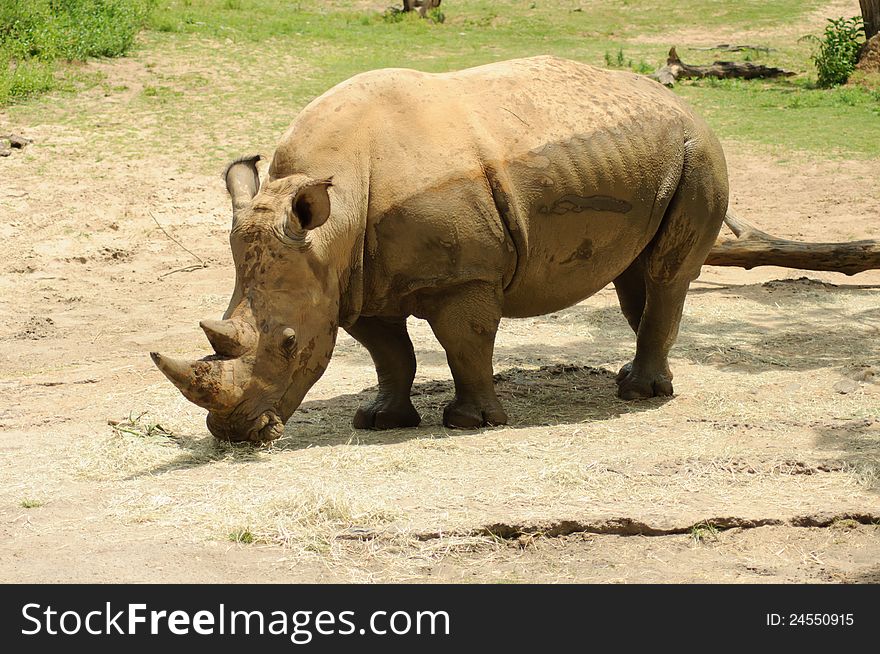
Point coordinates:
[(513, 189)]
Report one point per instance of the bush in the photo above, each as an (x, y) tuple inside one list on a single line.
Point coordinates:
[(70, 29), (34, 33), (838, 51)]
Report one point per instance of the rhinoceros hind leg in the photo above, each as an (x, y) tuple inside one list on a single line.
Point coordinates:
[(672, 260), (648, 375), (630, 287), (391, 349), (465, 321), (462, 414), (643, 385)]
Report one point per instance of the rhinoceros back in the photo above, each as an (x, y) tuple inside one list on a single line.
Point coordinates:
[(545, 175)]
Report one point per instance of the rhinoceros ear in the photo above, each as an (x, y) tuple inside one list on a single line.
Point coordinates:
[(242, 181), (311, 204)]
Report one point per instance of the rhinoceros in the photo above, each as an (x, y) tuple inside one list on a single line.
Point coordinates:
[(512, 189)]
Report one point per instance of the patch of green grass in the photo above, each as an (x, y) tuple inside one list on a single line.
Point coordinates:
[(31, 503), (242, 536), (703, 533), (794, 115), (23, 79), (620, 60), (161, 93), (141, 426), (515, 19)]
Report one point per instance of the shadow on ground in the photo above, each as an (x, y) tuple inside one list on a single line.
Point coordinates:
[(555, 394), (804, 328), (858, 442), (798, 324)]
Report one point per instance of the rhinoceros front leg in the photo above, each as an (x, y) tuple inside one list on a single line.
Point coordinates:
[(465, 321), (388, 343)]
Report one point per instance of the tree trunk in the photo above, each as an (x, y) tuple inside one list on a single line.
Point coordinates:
[(752, 248), (871, 16), (424, 6)]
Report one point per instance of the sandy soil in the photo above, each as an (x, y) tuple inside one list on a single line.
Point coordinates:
[(763, 467)]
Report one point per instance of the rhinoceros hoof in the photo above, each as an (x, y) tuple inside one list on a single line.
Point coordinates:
[(623, 372), (385, 415), (467, 415), (635, 386)]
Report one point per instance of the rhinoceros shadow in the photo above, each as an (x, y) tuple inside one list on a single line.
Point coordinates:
[(550, 395), (556, 394)]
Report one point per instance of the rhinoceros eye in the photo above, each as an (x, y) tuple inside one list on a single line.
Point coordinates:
[(288, 342)]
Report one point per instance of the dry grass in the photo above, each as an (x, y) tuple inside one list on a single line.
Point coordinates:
[(730, 444)]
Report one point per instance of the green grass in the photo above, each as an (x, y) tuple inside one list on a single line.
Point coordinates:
[(338, 40), (703, 533), (522, 21), (28, 503), (34, 34), (272, 57), (791, 115), (242, 536)]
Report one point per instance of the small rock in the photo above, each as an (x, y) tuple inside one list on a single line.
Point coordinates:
[(5, 152), (864, 375), (18, 141), (845, 386)]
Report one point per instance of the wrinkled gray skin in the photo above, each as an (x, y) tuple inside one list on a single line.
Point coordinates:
[(514, 189)]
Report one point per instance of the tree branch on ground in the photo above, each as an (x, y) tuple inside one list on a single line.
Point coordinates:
[(753, 247), (676, 69)]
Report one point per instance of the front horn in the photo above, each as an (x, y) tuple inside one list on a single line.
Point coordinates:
[(208, 383)]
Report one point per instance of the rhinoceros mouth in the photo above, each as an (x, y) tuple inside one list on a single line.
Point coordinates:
[(268, 426)]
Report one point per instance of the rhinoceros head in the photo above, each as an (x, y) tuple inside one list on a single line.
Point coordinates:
[(277, 334)]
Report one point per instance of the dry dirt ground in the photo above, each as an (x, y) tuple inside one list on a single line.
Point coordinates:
[(764, 467)]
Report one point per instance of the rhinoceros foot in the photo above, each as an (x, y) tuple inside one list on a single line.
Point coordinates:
[(640, 385), (386, 414), (469, 414)]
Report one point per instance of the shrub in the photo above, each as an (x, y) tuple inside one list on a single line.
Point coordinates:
[(70, 29), (34, 33), (838, 51)]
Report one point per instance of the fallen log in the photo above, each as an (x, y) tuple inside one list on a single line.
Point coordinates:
[(730, 47), (676, 69), (752, 248)]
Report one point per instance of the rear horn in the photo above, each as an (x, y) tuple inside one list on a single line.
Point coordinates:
[(229, 338)]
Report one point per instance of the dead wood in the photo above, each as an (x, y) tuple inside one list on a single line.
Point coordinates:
[(676, 69), (729, 47), (752, 248)]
